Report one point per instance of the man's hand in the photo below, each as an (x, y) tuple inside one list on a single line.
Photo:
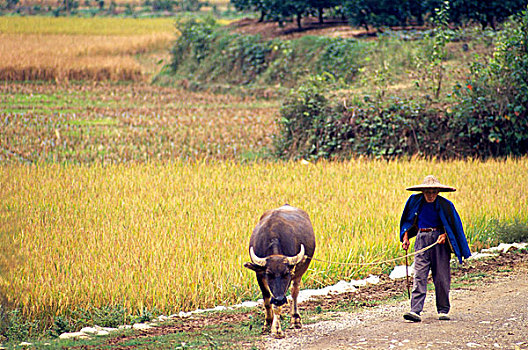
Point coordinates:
[(405, 242), (442, 238)]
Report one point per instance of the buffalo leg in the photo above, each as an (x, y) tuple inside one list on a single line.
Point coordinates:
[(276, 330), (295, 317), (266, 296)]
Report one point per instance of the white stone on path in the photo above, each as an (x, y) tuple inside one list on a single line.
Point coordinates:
[(73, 335), (249, 304), (372, 279), (89, 330), (106, 329), (473, 345), (504, 247), (162, 318), (141, 326)]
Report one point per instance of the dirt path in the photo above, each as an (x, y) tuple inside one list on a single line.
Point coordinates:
[(488, 315)]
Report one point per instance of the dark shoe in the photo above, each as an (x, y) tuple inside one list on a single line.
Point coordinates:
[(412, 316), (443, 317)]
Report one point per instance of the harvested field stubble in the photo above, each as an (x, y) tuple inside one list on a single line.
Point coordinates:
[(174, 236), (134, 122)]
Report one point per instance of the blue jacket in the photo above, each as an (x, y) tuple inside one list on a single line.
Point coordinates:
[(449, 217)]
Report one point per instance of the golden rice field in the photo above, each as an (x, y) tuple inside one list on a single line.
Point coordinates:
[(174, 235), (69, 48)]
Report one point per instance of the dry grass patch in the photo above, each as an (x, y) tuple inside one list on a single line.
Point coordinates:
[(64, 49)]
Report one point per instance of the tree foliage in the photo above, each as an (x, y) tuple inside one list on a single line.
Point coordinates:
[(385, 13), (493, 109), (487, 115)]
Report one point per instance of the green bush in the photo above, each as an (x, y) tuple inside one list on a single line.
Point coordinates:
[(14, 327), (312, 126), (194, 43), (492, 108), (208, 54), (291, 60), (304, 116), (110, 316), (190, 5), (512, 232), (340, 57), (246, 56), (162, 5)]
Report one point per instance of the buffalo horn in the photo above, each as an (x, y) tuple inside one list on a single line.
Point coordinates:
[(255, 259), (294, 260)]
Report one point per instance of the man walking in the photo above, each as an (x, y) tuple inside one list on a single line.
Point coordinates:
[(432, 218)]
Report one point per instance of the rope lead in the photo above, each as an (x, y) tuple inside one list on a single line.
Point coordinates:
[(378, 262)]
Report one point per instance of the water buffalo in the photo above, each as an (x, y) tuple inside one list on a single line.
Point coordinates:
[(281, 248)]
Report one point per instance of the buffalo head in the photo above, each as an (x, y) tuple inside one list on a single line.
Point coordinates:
[(276, 271)]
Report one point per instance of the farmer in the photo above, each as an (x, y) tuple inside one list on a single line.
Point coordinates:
[(432, 218)]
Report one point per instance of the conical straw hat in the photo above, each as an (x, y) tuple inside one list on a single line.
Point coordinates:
[(431, 182)]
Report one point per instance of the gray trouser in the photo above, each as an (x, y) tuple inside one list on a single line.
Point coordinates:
[(437, 260)]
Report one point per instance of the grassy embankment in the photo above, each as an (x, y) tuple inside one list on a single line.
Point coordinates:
[(354, 67)]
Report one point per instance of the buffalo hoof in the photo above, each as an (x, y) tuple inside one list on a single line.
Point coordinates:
[(296, 321), (278, 335), (297, 324), (276, 330)]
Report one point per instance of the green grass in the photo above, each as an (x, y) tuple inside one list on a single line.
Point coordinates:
[(226, 335), (71, 99), (65, 101)]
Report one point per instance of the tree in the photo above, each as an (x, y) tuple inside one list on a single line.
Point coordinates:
[(11, 4), (281, 10), (191, 5), (321, 5), (358, 13), (417, 10), (493, 107), (298, 8), (262, 6), (377, 13), (487, 13)]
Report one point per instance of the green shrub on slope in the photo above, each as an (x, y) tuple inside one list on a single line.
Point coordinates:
[(206, 54)]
